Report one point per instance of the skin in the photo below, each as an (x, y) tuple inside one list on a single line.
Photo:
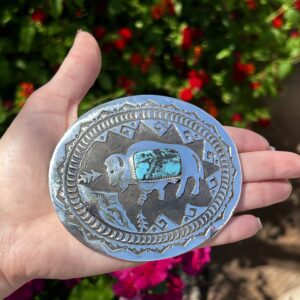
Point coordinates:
[(33, 242)]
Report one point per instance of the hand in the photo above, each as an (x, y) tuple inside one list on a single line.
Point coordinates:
[(33, 242)]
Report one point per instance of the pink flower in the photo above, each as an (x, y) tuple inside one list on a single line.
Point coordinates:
[(176, 286), (28, 290), (194, 261), (134, 280), (126, 285)]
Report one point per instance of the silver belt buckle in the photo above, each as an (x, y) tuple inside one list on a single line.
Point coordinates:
[(145, 177)]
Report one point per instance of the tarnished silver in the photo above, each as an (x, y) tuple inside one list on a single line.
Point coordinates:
[(145, 177)]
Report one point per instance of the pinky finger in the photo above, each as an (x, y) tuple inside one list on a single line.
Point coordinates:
[(238, 228)]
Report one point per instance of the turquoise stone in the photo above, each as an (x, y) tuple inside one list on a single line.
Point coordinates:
[(156, 164)]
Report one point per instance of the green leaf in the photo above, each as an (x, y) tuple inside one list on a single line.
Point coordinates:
[(105, 82), (87, 289), (284, 69), (225, 53), (56, 8), (27, 34)]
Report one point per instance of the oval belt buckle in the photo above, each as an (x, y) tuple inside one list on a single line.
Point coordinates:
[(145, 177)]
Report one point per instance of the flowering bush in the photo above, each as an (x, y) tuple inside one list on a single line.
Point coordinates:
[(222, 56), (161, 280)]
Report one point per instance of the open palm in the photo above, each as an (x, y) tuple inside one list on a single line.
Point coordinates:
[(33, 242)]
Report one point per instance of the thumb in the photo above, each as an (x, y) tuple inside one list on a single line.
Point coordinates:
[(72, 81), (51, 109)]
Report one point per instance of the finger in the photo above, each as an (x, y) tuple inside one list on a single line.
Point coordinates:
[(269, 165), (247, 140), (264, 193), (72, 81), (238, 228)]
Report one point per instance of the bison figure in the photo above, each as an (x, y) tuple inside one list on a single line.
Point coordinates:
[(152, 165)]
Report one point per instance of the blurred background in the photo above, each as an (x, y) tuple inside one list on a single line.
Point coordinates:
[(231, 58)]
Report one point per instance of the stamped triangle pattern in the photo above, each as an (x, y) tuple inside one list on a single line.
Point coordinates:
[(158, 127)]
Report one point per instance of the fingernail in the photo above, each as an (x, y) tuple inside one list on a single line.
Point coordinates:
[(259, 223), (272, 148)]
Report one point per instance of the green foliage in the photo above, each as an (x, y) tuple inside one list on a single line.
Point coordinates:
[(245, 47), (99, 288)]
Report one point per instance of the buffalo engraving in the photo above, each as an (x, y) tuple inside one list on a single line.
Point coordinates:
[(122, 169)]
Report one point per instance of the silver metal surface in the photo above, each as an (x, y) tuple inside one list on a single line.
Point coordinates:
[(145, 177)]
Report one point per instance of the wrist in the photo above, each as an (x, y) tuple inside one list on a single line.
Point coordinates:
[(12, 273)]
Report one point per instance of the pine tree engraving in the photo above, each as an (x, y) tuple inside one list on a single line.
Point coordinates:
[(88, 177), (142, 222)]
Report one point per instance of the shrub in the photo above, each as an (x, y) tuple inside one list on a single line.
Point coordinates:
[(223, 56)]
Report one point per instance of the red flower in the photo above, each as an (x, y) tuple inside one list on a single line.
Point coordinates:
[(26, 89), (186, 94), (277, 22), (242, 70), (297, 4), (251, 4), (255, 85), (99, 32), (197, 79), (78, 13), (169, 6), (157, 11), (203, 75), (136, 59), (249, 68), (38, 16), (192, 73), (236, 118), (194, 261), (125, 33), (210, 107), (197, 53), (264, 122), (127, 84), (196, 82), (120, 44), (146, 64), (187, 38)]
